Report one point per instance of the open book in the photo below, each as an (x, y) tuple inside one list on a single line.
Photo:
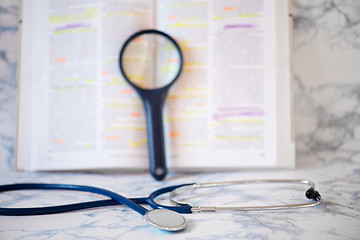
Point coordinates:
[(230, 108)]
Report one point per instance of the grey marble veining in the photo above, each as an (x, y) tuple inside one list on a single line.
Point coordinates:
[(9, 11), (326, 63), (335, 22), (326, 80)]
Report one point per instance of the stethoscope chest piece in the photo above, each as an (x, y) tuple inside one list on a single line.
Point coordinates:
[(167, 220)]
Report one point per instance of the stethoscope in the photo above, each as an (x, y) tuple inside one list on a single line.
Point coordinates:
[(164, 217)]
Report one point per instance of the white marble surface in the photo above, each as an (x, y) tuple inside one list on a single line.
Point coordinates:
[(327, 113)]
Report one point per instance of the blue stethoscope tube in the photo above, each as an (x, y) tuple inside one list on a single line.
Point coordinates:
[(115, 199), (134, 203)]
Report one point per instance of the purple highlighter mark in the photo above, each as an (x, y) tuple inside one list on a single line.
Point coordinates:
[(240, 26), (239, 109), (72, 26), (217, 117), (231, 112)]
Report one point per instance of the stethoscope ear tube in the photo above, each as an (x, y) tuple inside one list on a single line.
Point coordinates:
[(175, 196)]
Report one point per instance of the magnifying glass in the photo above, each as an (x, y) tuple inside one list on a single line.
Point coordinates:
[(150, 62)]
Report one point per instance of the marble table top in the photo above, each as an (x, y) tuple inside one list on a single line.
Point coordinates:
[(337, 218), (326, 64)]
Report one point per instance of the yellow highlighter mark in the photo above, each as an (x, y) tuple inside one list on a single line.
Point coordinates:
[(72, 79), (193, 112), (193, 48), (178, 119), (115, 81), (186, 25), (114, 104), (191, 64), (249, 15), (218, 18), (196, 89), (190, 19), (191, 70), (184, 43), (131, 128), (193, 144), (135, 77), (90, 80), (122, 13), (186, 96), (137, 143), (89, 145), (57, 89), (90, 13), (240, 138), (114, 60), (169, 69), (190, 4)]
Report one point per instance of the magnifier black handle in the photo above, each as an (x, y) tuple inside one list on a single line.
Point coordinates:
[(154, 101)]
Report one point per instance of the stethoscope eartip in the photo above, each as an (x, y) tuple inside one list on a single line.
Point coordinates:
[(164, 219)]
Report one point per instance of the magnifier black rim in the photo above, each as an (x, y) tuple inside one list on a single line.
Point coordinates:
[(153, 31)]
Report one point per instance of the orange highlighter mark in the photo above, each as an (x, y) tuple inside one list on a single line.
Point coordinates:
[(113, 137), (135, 114), (60, 141), (200, 105), (58, 60), (229, 8), (105, 73), (172, 17), (138, 39), (173, 60), (175, 134), (127, 91)]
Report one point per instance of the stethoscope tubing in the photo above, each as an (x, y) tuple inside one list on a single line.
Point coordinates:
[(134, 203), (116, 199)]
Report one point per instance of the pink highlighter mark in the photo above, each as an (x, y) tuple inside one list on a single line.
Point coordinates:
[(240, 26), (72, 26)]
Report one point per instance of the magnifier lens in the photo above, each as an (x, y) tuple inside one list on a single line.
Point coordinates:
[(151, 61)]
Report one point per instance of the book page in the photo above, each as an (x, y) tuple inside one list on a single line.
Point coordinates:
[(83, 113), (77, 112), (223, 110)]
